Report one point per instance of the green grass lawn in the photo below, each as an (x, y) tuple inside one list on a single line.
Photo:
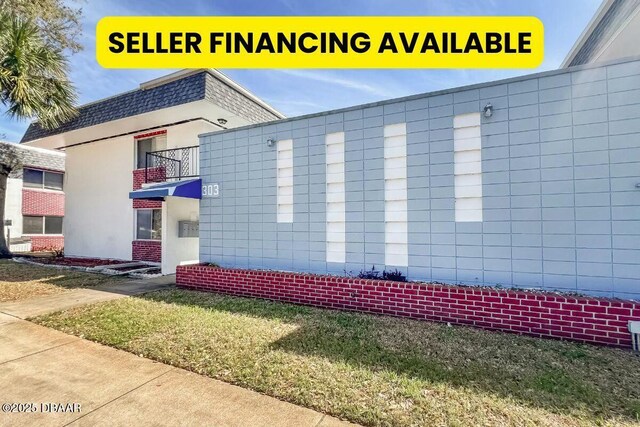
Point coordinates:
[(23, 281), (368, 369)]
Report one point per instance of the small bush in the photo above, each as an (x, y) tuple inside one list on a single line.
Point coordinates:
[(369, 274), (56, 251), (395, 275)]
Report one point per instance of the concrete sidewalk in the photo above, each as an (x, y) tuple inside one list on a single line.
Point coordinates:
[(32, 307), (112, 387)]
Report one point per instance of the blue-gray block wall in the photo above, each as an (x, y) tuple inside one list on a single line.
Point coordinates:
[(560, 169)]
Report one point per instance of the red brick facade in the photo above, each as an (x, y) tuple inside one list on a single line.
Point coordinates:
[(42, 203), (146, 250), (151, 134), (545, 315), (44, 243), (155, 174), (146, 204)]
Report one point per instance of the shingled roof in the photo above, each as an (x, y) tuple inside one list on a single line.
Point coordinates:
[(192, 87), (38, 158)]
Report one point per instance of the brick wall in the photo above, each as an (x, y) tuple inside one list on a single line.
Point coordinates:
[(146, 250), (147, 204), (545, 315), (41, 243), (154, 174), (43, 203)]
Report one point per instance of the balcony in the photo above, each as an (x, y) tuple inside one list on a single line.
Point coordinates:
[(172, 165)]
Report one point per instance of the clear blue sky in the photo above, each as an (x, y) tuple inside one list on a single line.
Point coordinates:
[(296, 92)]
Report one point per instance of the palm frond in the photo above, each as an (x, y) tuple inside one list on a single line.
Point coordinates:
[(33, 75)]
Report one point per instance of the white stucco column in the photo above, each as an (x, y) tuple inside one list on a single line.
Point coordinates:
[(178, 250)]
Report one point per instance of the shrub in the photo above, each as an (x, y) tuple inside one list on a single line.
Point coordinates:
[(369, 274), (55, 250), (395, 275)]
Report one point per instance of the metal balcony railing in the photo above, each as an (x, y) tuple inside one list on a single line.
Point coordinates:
[(172, 164)]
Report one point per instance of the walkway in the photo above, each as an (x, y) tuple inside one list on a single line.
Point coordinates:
[(100, 385)]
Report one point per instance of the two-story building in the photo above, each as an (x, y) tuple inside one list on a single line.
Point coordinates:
[(133, 141), (34, 204)]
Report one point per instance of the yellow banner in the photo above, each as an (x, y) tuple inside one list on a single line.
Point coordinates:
[(320, 42)]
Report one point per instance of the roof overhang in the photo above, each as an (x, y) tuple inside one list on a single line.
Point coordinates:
[(593, 23), (159, 118), (620, 33)]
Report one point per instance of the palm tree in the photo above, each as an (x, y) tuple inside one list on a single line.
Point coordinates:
[(33, 85), (33, 75)]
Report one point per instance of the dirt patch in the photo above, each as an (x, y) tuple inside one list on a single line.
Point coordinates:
[(76, 262)]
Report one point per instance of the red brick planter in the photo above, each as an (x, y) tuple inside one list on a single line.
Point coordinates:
[(546, 315)]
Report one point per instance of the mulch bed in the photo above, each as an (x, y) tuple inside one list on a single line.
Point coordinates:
[(77, 262)]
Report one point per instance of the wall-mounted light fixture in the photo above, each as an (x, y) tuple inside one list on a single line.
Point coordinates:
[(222, 121), (271, 142), (488, 110)]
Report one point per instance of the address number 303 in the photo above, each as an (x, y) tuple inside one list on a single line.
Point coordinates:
[(210, 190)]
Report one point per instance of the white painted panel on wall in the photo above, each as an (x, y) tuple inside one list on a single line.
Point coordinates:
[(395, 130), (464, 133), (335, 178), (467, 156), (285, 210), (466, 120), (462, 144), (469, 203), (396, 205), (396, 251), (335, 198), (467, 167), (286, 190), (465, 214), (470, 191), (395, 227), (470, 179), (395, 184), (396, 172), (284, 165), (399, 162), (335, 213)]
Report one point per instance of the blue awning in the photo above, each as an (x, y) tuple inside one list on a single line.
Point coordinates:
[(189, 188)]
